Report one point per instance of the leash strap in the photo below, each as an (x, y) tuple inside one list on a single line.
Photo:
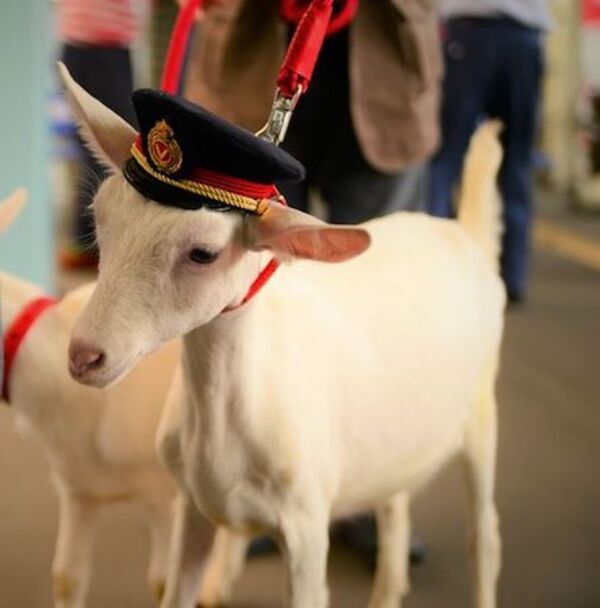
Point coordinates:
[(343, 13), (178, 44), (296, 72), (16, 333), (293, 81), (261, 280), (303, 52)]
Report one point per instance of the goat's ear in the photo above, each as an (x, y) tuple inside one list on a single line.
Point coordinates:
[(10, 208), (108, 136), (291, 233)]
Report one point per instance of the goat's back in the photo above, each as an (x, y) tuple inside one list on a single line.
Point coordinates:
[(383, 356)]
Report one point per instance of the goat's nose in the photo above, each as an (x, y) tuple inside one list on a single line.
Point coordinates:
[(83, 358)]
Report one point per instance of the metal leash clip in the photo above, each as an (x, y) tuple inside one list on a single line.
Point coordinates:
[(279, 118)]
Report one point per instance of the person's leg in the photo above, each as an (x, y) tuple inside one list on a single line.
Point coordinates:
[(91, 173), (106, 74), (516, 104), (296, 195), (321, 117), (302, 142), (299, 144), (352, 189), (468, 66), (360, 196)]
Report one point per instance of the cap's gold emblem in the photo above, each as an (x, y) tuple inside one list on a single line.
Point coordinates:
[(163, 148)]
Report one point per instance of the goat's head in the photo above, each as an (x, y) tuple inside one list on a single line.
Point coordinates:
[(165, 271)]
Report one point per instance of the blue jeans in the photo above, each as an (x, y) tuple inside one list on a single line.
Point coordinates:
[(493, 68)]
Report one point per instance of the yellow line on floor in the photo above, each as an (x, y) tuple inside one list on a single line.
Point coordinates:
[(550, 236)]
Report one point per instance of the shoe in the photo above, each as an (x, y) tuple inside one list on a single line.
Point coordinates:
[(516, 299), (262, 546), (360, 535)]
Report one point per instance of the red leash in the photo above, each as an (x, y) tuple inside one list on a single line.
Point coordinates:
[(16, 333), (180, 37), (314, 23), (293, 81), (261, 280), (293, 10), (297, 69)]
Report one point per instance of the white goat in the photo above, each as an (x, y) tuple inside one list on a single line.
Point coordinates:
[(100, 444), (338, 388)]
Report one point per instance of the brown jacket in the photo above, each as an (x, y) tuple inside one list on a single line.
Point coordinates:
[(395, 72)]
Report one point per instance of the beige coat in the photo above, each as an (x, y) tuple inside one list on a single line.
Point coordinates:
[(395, 69)]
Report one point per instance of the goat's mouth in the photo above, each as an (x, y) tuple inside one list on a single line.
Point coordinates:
[(104, 375)]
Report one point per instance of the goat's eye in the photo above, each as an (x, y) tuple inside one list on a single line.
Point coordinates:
[(202, 256)]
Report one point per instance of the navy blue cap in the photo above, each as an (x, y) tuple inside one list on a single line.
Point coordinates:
[(187, 157)]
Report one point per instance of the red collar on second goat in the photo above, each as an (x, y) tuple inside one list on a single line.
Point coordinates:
[(17, 332)]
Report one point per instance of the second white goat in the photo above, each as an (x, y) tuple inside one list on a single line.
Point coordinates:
[(99, 444)]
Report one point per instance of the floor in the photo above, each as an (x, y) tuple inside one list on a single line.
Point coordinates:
[(548, 490)]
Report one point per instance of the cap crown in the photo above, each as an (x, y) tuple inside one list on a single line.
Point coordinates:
[(188, 137)]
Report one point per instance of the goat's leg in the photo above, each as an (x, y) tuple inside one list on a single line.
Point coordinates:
[(306, 542), (185, 557), (480, 452), (71, 568), (393, 532), (160, 520), (222, 568)]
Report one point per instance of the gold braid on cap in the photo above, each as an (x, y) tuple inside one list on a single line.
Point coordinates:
[(255, 206)]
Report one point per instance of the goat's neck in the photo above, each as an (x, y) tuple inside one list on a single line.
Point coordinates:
[(220, 368)]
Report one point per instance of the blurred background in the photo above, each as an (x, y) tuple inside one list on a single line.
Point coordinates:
[(548, 490)]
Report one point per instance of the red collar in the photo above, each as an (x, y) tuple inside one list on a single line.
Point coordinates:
[(261, 280), (265, 274), (16, 333)]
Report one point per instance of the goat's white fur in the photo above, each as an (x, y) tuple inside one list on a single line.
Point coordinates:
[(338, 388)]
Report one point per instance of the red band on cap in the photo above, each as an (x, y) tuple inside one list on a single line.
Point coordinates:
[(243, 187)]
